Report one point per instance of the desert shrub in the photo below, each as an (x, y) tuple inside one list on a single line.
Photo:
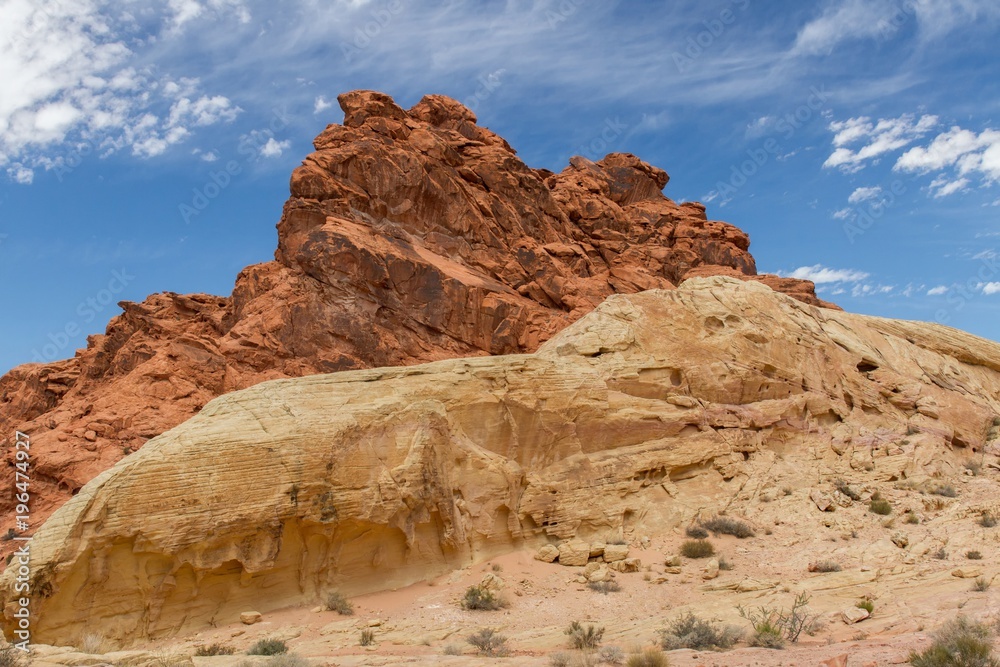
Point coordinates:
[(940, 554), (879, 506), (93, 644), (724, 525), (497, 567), (958, 643), (696, 532), (724, 564), (604, 587), (787, 490), (692, 632), (826, 566), (981, 584), (650, 657), (560, 659), (336, 601), (478, 598), (912, 517), (268, 647), (214, 649), (846, 489), (787, 624), (367, 637), (697, 549), (611, 655), (975, 467), (584, 637), (987, 520), (973, 555), (946, 490), (11, 656), (451, 649), (288, 660), (766, 635), (867, 604), (487, 642)]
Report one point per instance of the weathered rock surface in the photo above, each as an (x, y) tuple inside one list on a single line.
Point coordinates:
[(371, 479), (410, 236)]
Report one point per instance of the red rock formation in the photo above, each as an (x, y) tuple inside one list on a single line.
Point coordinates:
[(409, 236)]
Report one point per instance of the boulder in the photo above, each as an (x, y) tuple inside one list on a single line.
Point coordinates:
[(614, 552), (547, 553), (251, 617), (574, 553)]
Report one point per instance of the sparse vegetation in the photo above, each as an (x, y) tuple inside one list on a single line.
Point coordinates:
[(93, 644), (367, 637), (788, 624), (867, 604), (981, 584), (973, 555), (335, 601), (846, 489), (826, 566), (451, 649), (911, 517), (787, 490), (958, 643), (287, 660), (766, 635), (584, 637), (987, 520), (975, 467), (880, 506), (697, 549), (696, 532), (560, 659), (724, 525), (650, 657), (689, 631), (604, 587), (497, 567), (488, 643), (11, 656), (940, 554), (478, 598), (611, 655), (724, 564), (946, 490), (268, 647), (214, 649)]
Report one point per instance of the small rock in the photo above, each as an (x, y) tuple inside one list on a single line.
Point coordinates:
[(672, 570), (613, 552), (491, 582), (900, 540), (317, 610), (601, 573), (823, 500), (251, 617), (574, 553), (854, 615), (375, 623), (547, 554), (673, 561), (967, 572), (626, 565), (597, 550), (711, 569), (90, 435), (836, 661), (644, 541)]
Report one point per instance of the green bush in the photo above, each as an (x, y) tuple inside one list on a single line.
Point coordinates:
[(604, 587), (335, 601), (488, 643), (478, 598), (692, 632), (697, 549), (214, 649), (879, 506), (724, 525), (268, 647), (958, 643), (785, 624), (766, 635), (584, 638), (867, 604), (650, 657)]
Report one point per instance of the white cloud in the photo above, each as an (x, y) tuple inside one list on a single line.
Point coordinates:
[(937, 291), (321, 104), (203, 111), (210, 156), (864, 194), (843, 214), (274, 148), (883, 136), (942, 187), (960, 152), (820, 274), (21, 174), (990, 288)]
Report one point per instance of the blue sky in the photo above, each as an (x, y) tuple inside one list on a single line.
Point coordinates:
[(146, 147)]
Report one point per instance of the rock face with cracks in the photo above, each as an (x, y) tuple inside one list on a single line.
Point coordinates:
[(362, 480), (410, 236)]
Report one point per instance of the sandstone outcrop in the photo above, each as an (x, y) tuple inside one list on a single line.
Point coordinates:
[(410, 236), (358, 481)]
